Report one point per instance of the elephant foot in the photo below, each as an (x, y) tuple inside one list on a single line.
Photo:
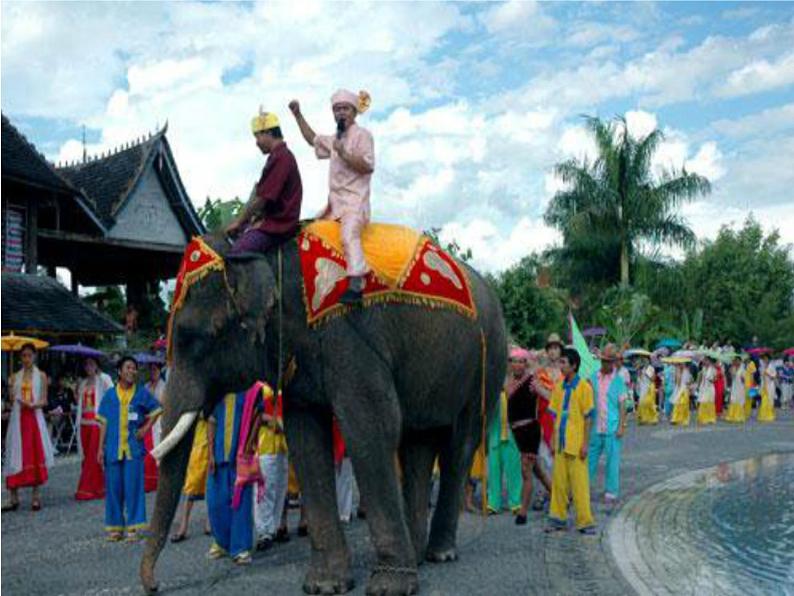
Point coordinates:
[(393, 581), (441, 555), (322, 581)]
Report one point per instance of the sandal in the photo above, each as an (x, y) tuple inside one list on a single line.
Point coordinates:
[(35, 505), (115, 537), (303, 530), (11, 507), (178, 537)]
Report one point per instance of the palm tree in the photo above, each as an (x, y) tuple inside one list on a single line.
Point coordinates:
[(614, 203)]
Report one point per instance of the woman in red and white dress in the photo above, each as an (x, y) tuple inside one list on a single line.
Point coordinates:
[(28, 447), (155, 386), (89, 395)]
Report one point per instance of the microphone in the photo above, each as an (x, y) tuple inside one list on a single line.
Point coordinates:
[(340, 128)]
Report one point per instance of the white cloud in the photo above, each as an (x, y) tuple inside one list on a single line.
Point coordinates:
[(524, 19), (468, 118), (764, 123), (493, 250), (760, 75), (640, 123)]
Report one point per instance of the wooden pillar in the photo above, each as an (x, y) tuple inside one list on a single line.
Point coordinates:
[(136, 292), (31, 238)]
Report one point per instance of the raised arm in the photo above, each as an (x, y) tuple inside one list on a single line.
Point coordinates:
[(306, 130)]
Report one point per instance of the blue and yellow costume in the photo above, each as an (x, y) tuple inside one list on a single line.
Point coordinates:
[(232, 529), (571, 405), (123, 412)]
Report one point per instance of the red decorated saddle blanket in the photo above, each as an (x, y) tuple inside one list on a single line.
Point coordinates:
[(404, 267)]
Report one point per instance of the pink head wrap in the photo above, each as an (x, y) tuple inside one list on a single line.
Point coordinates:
[(360, 101), (520, 354)]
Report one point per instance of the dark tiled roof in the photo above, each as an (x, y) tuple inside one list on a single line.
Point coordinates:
[(107, 180), (22, 161), (33, 303)]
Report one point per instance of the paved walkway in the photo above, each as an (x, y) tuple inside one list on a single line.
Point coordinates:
[(61, 549)]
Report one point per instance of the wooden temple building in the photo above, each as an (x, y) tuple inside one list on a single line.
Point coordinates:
[(121, 218)]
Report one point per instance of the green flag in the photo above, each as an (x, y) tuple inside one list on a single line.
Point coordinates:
[(589, 363)]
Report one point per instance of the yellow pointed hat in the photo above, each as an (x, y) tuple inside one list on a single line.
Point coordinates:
[(264, 121)]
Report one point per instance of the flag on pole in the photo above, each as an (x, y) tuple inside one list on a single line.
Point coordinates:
[(589, 363)]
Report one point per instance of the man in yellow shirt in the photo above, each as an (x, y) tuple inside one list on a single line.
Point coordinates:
[(572, 408), (272, 450)]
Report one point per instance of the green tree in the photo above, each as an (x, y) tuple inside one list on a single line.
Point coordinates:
[(614, 203), (531, 312), (629, 317), (217, 214), (744, 283)]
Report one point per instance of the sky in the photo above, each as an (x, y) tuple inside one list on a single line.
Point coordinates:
[(472, 103)]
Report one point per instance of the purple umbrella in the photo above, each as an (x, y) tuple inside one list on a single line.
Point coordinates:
[(146, 358), (78, 350), (594, 332)]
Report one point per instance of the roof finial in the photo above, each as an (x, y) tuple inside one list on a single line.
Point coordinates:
[(84, 150)]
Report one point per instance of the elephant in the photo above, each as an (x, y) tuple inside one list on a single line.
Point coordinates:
[(407, 384)]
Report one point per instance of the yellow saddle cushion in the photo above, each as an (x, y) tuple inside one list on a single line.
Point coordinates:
[(388, 249)]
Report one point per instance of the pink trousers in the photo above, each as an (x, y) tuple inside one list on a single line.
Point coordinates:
[(352, 226)]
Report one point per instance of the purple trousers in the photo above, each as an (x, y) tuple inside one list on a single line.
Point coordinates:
[(256, 240)]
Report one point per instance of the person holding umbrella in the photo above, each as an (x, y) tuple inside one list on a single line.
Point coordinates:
[(29, 451), (89, 395)]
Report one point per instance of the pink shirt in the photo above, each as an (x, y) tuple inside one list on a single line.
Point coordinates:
[(604, 381), (348, 192)]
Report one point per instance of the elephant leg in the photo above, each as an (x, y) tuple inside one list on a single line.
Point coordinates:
[(311, 451), (369, 418), (417, 460), (454, 460)]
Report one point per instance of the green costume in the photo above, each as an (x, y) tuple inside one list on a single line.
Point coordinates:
[(503, 458)]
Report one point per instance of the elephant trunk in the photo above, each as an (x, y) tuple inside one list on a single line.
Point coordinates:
[(173, 468)]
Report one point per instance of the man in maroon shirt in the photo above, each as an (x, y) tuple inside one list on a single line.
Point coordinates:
[(272, 213)]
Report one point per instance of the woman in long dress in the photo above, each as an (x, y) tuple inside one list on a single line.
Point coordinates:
[(156, 386), (89, 394), (719, 387), (680, 398), (647, 412), (707, 413), (28, 447), (766, 412), (736, 409)]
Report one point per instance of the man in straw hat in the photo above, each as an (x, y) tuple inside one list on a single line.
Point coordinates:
[(611, 393), (273, 211), (351, 152)]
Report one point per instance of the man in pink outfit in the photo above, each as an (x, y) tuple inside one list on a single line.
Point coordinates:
[(351, 153)]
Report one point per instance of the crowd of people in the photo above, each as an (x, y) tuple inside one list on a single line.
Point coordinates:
[(119, 427), (555, 424), (552, 423)]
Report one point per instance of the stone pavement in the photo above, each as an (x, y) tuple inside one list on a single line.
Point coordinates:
[(62, 550)]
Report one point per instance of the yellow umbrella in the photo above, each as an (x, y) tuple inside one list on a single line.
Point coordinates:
[(14, 343), (676, 360)]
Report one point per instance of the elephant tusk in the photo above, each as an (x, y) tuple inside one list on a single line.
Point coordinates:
[(170, 441)]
